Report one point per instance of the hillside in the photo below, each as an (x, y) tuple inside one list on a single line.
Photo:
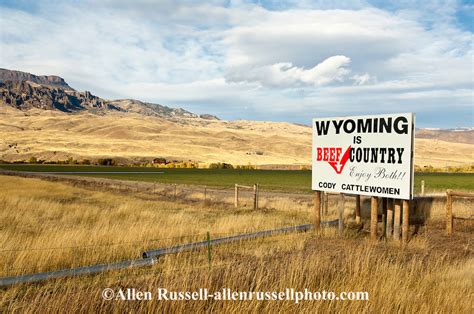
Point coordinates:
[(54, 135), (52, 122)]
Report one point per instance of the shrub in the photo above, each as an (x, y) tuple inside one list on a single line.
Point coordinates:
[(220, 165), (106, 162)]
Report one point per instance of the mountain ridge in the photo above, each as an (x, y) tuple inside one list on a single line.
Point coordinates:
[(18, 76), (25, 91)]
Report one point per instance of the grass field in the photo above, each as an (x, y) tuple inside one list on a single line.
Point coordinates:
[(52, 225), (270, 180)]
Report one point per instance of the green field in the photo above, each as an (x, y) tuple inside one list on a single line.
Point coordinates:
[(276, 180)]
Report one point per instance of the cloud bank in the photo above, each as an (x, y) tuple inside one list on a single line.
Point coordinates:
[(238, 59)]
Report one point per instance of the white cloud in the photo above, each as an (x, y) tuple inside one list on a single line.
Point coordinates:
[(361, 79), (287, 75), (219, 59)]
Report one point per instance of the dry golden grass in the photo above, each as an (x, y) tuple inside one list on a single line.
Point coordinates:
[(37, 214), (433, 274), (53, 135)]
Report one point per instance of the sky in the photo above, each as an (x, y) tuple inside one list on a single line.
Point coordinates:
[(255, 60)]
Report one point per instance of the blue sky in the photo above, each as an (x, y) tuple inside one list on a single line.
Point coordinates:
[(257, 60)]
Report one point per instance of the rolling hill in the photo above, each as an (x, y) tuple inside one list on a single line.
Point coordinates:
[(53, 122)]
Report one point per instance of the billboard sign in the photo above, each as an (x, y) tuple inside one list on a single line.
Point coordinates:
[(366, 155)]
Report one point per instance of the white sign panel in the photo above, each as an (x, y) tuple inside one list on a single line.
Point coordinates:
[(367, 155)]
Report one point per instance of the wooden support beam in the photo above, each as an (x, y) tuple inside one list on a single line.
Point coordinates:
[(389, 228), (317, 211), (357, 210), (406, 222), (460, 193), (449, 212), (396, 220), (373, 218)]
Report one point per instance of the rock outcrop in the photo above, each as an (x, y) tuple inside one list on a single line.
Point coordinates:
[(25, 91), (48, 80), (25, 95)]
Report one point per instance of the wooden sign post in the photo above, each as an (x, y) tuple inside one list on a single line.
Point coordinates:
[(406, 225), (374, 204), (389, 229), (317, 211), (396, 220), (357, 210)]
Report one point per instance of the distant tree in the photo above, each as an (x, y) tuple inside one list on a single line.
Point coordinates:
[(220, 166), (106, 162), (86, 162)]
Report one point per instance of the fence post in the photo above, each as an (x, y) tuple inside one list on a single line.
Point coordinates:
[(373, 217), (384, 215), (396, 220), (326, 203), (406, 222), (258, 194), (358, 219), (236, 198), (389, 229), (422, 187), (205, 193), (317, 211), (449, 212), (254, 197), (341, 215)]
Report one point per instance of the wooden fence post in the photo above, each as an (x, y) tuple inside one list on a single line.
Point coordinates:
[(422, 187), (449, 212), (326, 203), (317, 211), (254, 197), (406, 222), (373, 218), (389, 229), (236, 198), (358, 218), (396, 220), (341, 215), (258, 194)]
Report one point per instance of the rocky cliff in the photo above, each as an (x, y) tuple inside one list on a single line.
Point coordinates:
[(25, 91), (18, 76)]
